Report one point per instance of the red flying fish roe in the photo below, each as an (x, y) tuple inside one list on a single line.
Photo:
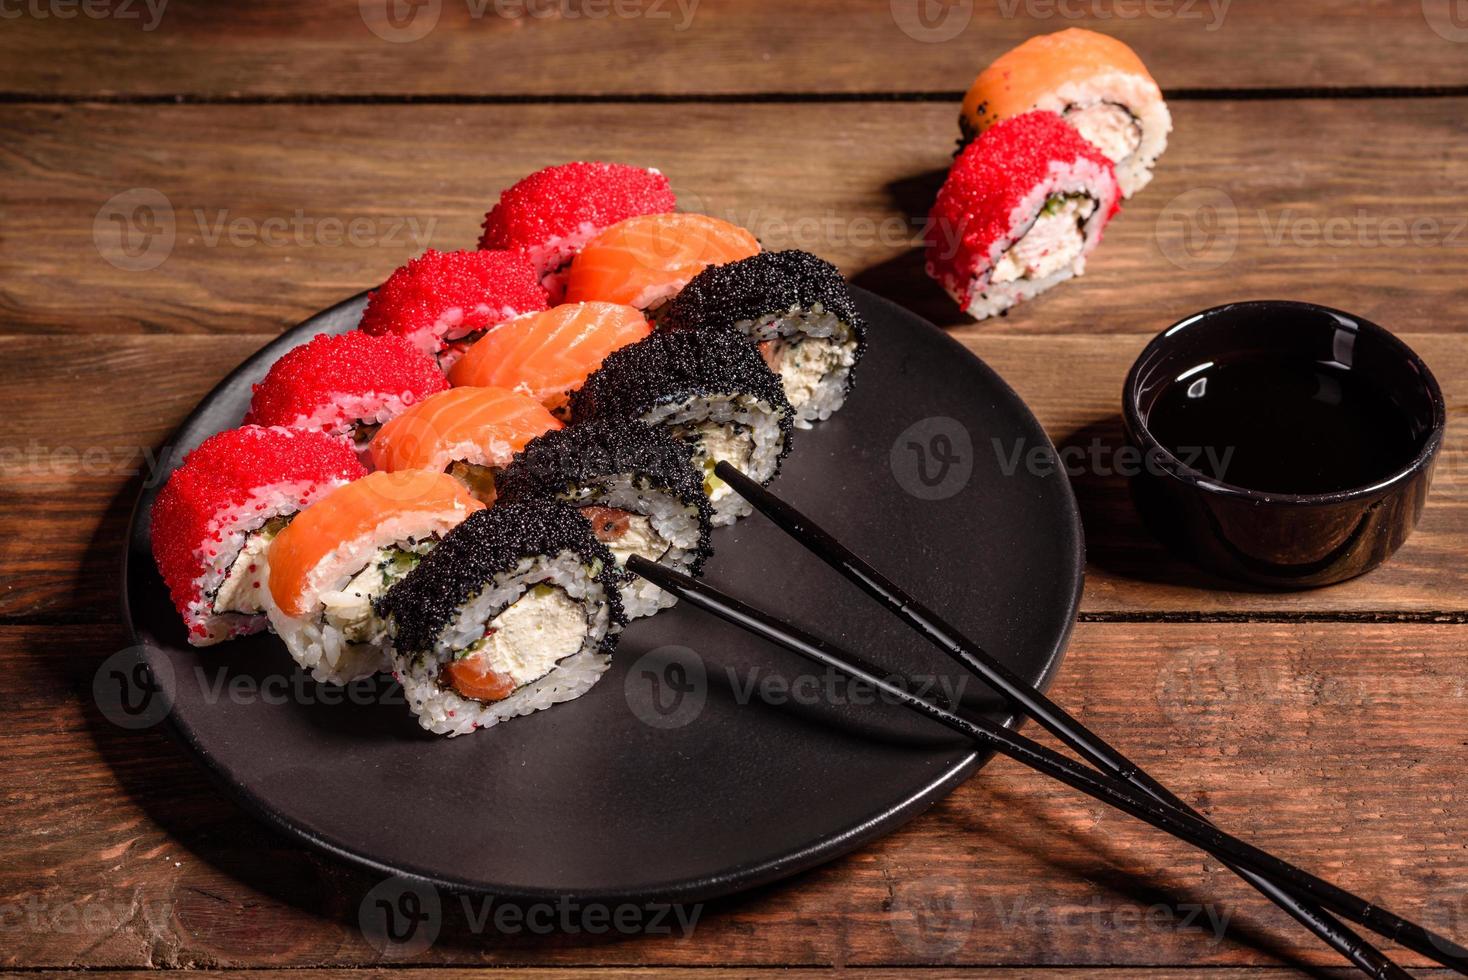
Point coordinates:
[(310, 380), (453, 293), (556, 202), (219, 477), (990, 178)]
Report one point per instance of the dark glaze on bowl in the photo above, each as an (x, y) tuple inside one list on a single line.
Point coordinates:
[(1286, 444)]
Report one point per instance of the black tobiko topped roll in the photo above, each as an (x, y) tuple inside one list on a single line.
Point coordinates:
[(707, 388), (770, 282), (488, 544), (798, 308), (671, 366), (637, 485)]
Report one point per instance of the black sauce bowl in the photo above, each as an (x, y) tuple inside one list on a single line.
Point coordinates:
[(1282, 540)]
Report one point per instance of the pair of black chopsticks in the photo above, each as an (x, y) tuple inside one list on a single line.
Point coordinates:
[(1114, 780)]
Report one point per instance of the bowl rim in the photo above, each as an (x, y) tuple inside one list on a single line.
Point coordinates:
[(1173, 467)]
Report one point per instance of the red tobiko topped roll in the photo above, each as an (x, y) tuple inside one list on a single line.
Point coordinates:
[(1023, 206), (213, 520), (550, 214), (444, 301), (345, 384)]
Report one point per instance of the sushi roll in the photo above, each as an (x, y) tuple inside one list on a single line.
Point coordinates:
[(1095, 82), (469, 432), (1021, 209), (515, 611), (708, 388), (635, 484), (552, 213), (547, 354), (344, 550), (644, 261), (347, 385), (214, 520), (444, 301), (797, 308)]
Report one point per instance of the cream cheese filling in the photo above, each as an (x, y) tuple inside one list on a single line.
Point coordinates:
[(1055, 240), (533, 634), (1111, 128)]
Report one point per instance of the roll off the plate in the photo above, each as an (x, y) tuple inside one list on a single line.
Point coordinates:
[(708, 388), (1095, 82), (515, 611), (214, 520), (635, 484), (797, 308), (350, 546), (1023, 206)]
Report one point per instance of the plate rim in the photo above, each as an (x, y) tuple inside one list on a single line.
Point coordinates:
[(730, 881)]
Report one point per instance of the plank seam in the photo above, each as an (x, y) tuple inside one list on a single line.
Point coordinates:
[(669, 98)]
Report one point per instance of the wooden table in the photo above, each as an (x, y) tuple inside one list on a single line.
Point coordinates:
[(266, 161)]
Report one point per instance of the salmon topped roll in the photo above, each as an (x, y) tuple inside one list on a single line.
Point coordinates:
[(552, 213), (547, 354), (444, 301), (214, 520), (1095, 82), (515, 611), (347, 385), (1022, 208), (346, 549), (468, 432), (644, 261)]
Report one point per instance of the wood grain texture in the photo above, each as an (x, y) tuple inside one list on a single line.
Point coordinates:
[(716, 973), (219, 219), (1337, 745), (96, 416), (681, 47)]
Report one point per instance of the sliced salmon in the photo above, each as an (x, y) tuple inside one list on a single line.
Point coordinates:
[(545, 355), (349, 513), (478, 426), (643, 261)]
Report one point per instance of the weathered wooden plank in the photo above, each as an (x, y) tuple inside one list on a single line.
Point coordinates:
[(125, 219), (678, 47), (716, 973), (1339, 746), (96, 414)]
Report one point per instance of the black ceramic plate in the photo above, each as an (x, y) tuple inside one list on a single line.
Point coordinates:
[(705, 761)]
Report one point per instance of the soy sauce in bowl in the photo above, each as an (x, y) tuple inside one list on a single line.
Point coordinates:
[(1286, 425), (1286, 444)]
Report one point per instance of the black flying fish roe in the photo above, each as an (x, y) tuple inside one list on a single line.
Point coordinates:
[(586, 454), (768, 283), (675, 365), (488, 543)]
